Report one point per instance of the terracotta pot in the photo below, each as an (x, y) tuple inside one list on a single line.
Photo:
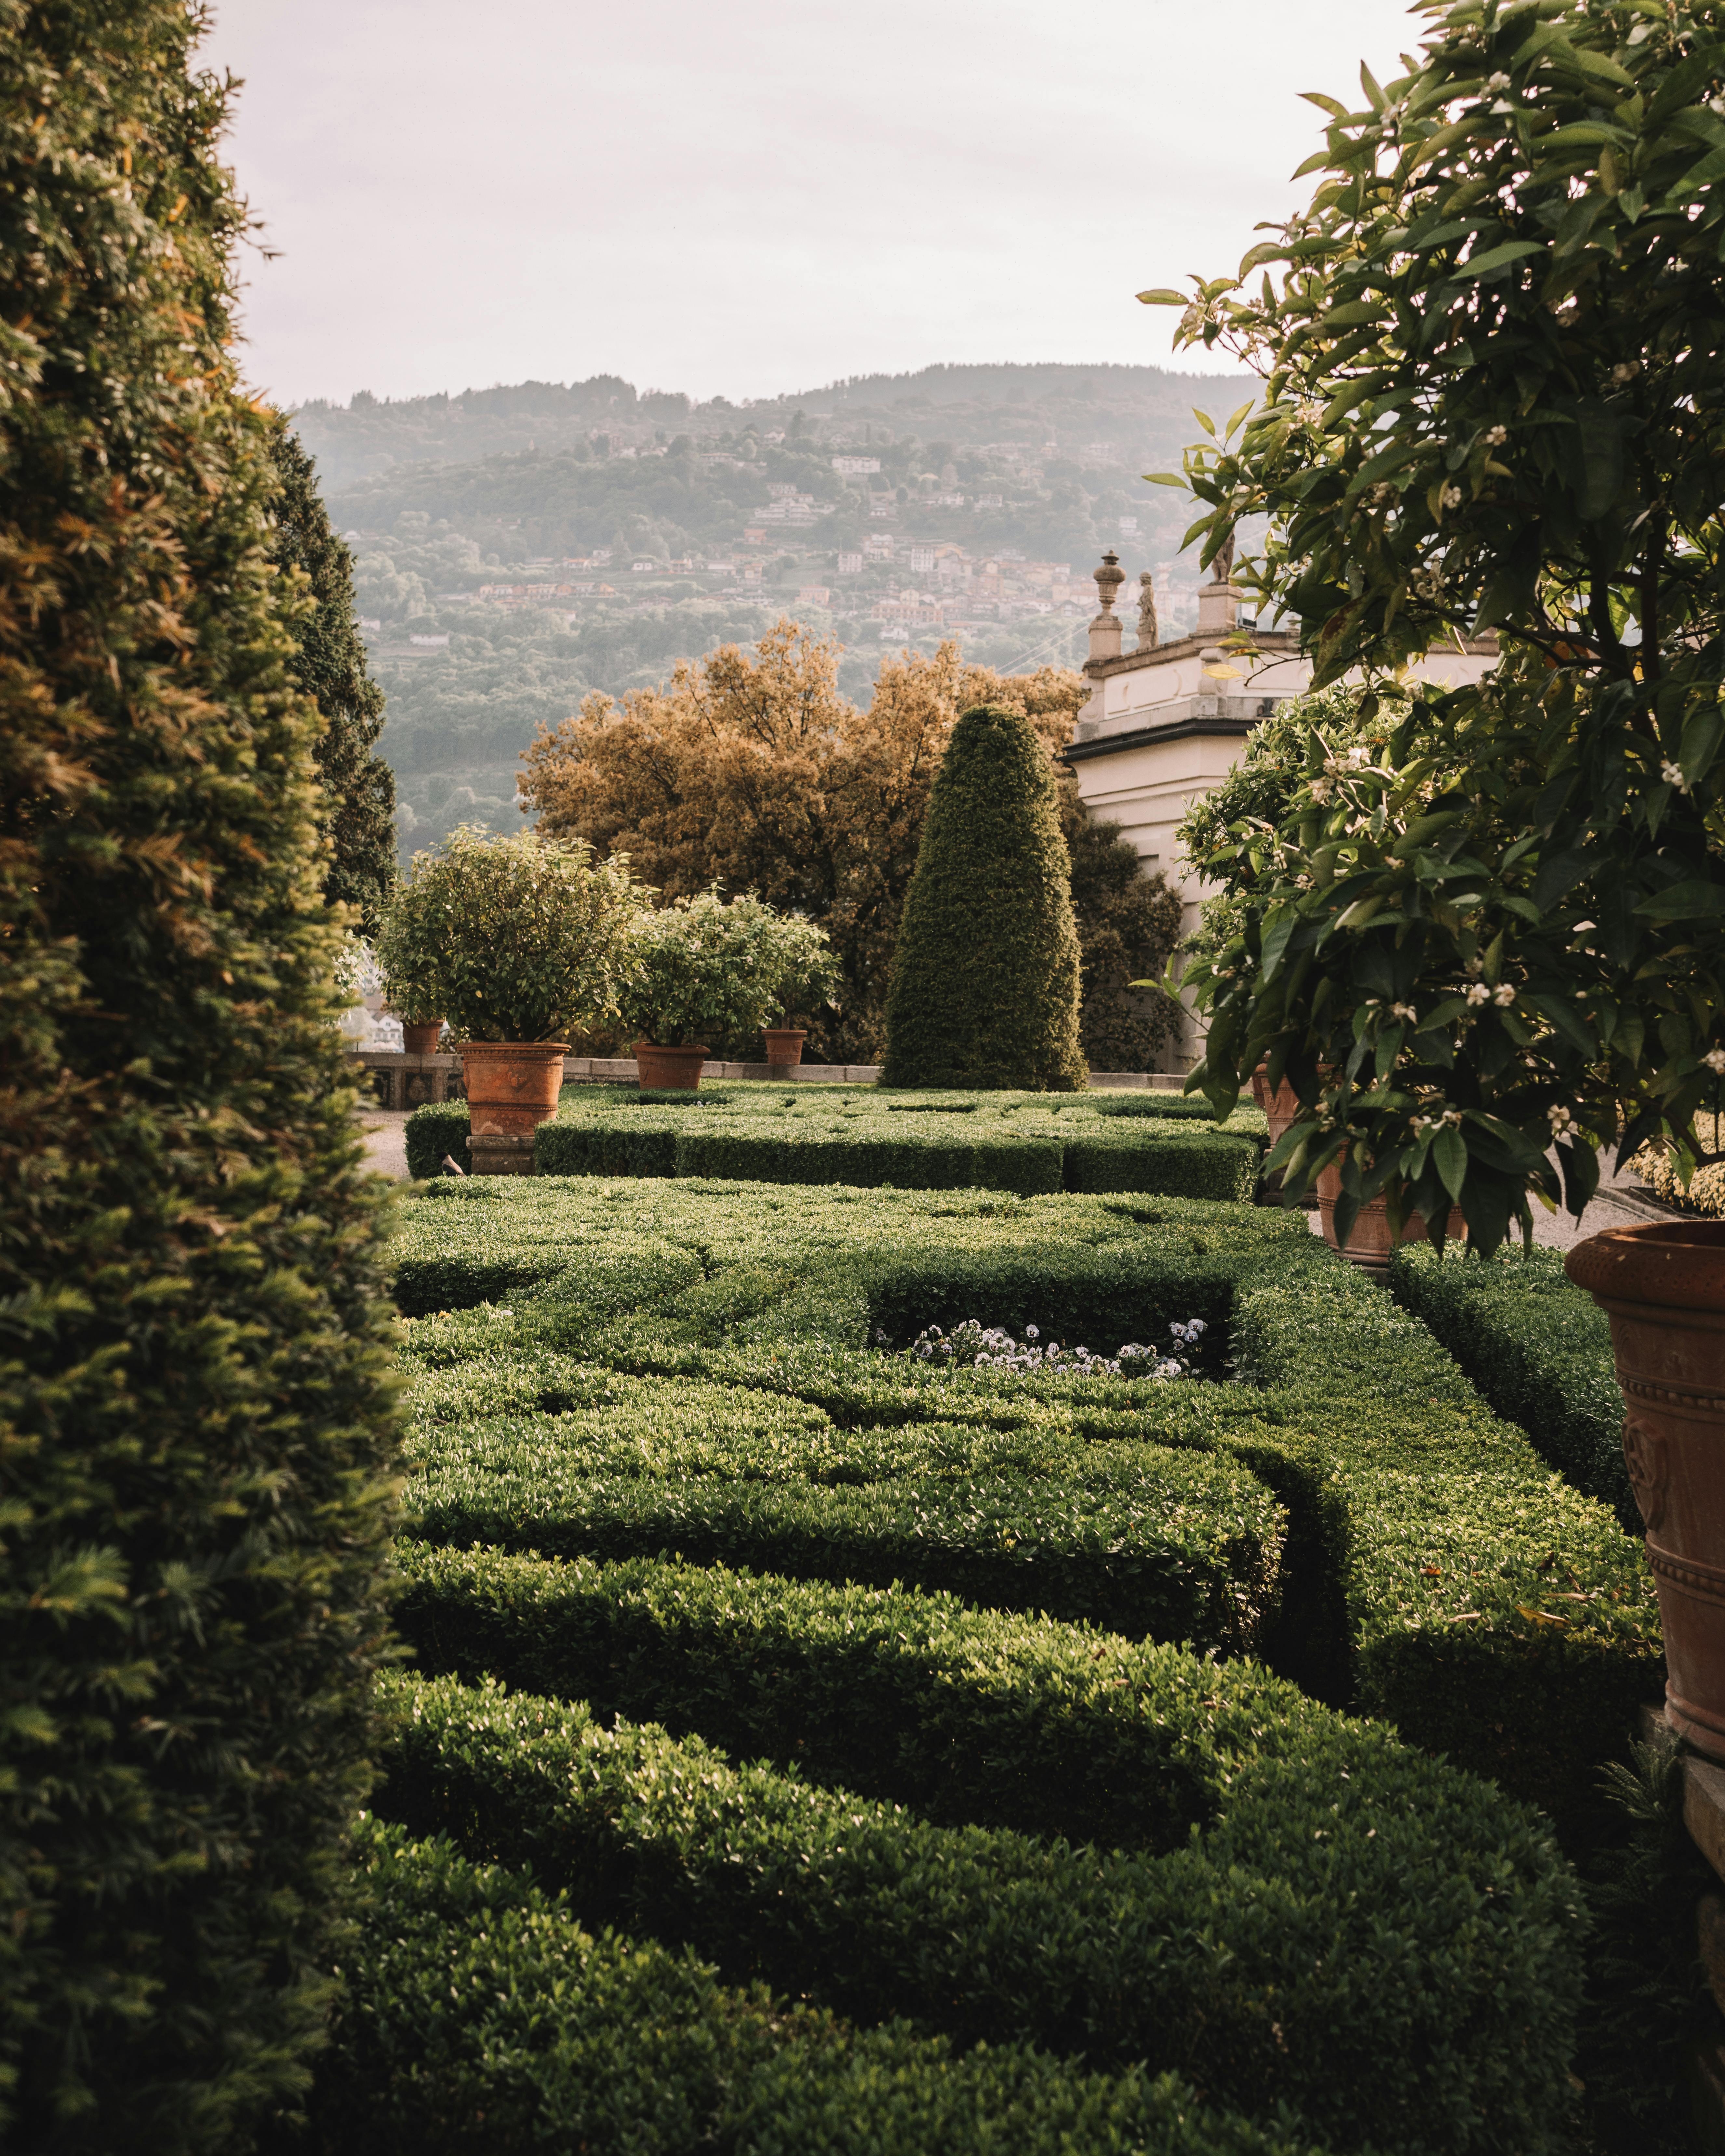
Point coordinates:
[(666, 1070), (784, 1045), (1371, 1246), (512, 1085), (1281, 1104), (421, 1039), (1663, 1287)]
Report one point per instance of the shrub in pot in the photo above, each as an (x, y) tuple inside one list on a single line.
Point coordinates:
[(812, 974), (701, 969), (1486, 940), (516, 940)]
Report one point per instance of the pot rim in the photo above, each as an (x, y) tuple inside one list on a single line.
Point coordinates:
[(1678, 1264), (512, 1047), (653, 1047)]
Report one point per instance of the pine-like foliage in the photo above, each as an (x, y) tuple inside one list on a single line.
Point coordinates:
[(1129, 928), (196, 1428), (357, 813), (984, 986)]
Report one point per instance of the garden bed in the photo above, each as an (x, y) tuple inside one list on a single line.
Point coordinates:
[(995, 1640), (1031, 1144)]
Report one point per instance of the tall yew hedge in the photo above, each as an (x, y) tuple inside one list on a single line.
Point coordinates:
[(195, 1421), (985, 979), (357, 811)]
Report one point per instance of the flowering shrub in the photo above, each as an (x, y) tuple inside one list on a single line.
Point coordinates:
[(975, 1346)]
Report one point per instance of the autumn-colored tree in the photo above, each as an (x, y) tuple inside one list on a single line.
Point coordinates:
[(752, 770)]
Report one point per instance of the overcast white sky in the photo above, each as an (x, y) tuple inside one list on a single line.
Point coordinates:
[(756, 196)]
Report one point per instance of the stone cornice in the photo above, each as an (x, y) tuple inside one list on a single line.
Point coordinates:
[(1269, 643)]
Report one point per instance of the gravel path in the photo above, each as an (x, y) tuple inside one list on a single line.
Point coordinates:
[(386, 1136)]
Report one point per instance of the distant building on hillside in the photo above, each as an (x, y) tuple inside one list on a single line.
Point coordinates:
[(819, 595), (1165, 722), (855, 467), (878, 546), (850, 565)]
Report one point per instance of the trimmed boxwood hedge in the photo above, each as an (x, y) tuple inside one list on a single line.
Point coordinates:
[(1538, 1348), (698, 1493), (1239, 1884), (478, 2014), (1432, 1560), (866, 1139), (435, 1129), (1144, 1540)]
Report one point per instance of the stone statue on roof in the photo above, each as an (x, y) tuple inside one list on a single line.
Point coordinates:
[(1149, 634), (1222, 568)]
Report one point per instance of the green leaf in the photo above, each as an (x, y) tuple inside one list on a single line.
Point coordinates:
[(1701, 735), (1498, 258), (1163, 296), (1697, 899), (1449, 1152)]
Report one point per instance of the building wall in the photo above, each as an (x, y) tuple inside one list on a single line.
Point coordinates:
[(1164, 726)]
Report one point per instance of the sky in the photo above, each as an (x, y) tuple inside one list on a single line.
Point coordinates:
[(760, 196)]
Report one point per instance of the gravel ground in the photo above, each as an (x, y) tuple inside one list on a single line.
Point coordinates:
[(386, 1136)]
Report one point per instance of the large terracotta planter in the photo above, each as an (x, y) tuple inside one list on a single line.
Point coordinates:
[(421, 1039), (1371, 1246), (1663, 1287), (1280, 1103), (784, 1046), (668, 1070), (512, 1085)]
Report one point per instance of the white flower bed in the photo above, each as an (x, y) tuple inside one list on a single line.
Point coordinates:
[(972, 1346)]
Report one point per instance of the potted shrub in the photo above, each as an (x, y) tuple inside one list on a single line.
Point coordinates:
[(515, 940), (701, 969), (1493, 944), (811, 974)]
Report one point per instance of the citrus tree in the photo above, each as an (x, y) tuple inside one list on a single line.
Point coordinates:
[(517, 938), (1494, 399)]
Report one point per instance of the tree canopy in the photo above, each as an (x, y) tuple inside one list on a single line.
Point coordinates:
[(1493, 386), (753, 771), (357, 815)]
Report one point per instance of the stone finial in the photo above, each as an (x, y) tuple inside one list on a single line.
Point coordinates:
[(1149, 632), (1104, 628)]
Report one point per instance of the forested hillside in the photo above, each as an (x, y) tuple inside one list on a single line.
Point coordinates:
[(520, 546)]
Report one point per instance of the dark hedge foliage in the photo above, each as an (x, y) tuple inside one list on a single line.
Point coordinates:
[(1223, 1890), (985, 976), (356, 814), (479, 2015), (195, 1416)]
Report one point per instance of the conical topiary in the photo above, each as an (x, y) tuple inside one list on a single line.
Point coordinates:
[(985, 988)]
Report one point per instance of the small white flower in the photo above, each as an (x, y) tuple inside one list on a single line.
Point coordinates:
[(1475, 967), (1303, 883), (1715, 1061), (1403, 1010), (1453, 1115), (1626, 370), (1394, 861), (1503, 995), (1451, 498), (1499, 82), (1560, 1120), (1320, 791), (1673, 774), (1358, 756), (1477, 994), (1496, 437)]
